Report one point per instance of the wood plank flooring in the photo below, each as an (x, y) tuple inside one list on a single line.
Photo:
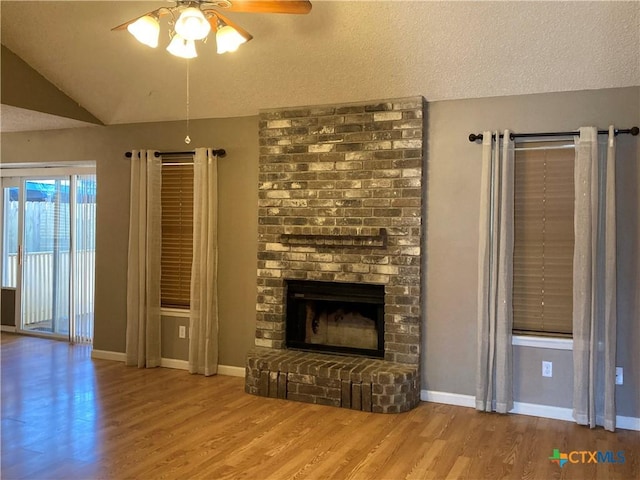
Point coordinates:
[(66, 416)]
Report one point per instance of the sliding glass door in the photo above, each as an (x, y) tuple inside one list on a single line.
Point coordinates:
[(51, 262), (45, 256)]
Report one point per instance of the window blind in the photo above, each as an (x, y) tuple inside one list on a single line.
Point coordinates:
[(543, 241), (177, 232)]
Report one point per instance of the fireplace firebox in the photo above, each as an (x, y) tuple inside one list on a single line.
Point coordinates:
[(342, 318)]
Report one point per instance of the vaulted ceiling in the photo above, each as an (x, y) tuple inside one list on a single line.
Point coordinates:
[(342, 51)]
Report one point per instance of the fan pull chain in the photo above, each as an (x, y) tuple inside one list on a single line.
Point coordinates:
[(187, 139)]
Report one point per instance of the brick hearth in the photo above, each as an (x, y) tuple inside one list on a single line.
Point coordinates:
[(340, 200)]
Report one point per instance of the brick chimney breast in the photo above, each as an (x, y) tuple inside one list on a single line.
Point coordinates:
[(341, 200)]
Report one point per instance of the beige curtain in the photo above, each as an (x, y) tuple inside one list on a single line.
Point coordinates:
[(494, 374), (594, 282), (143, 273), (203, 338)]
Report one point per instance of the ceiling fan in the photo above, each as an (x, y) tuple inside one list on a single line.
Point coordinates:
[(193, 20)]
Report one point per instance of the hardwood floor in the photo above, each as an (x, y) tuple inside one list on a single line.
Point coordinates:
[(67, 416)]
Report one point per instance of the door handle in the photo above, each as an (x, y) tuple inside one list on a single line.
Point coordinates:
[(19, 254)]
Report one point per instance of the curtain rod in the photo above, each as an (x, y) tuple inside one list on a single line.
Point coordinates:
[(218, 153), (633, 131)]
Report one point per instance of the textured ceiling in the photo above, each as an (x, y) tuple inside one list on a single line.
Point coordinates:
[(343, 51)]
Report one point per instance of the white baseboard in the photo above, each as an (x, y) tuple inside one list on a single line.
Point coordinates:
[(107, 355), (448, 398), (544, 411), (230, 371), (522, 408), (174, 363), (8, 328), (628, 423), (226, 370)]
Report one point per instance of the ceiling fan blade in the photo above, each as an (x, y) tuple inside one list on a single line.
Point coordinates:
[(270, 6), (158, 13), (211, 17)]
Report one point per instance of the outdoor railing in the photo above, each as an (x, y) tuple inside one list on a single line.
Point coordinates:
[(39, 279)]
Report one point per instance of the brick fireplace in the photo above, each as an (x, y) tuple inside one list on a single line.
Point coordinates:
[(340, 201)]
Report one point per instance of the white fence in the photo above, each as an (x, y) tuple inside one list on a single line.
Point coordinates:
[(38, 285)]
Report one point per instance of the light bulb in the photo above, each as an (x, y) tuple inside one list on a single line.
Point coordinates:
[(181, 47), (146, 30), (192, 25), (228, 39)]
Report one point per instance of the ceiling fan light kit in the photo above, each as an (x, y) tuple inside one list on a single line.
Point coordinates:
[(194, 19)]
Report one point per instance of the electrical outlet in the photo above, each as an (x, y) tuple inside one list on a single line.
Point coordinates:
[(547, 369), (619, 378), (182, 331)]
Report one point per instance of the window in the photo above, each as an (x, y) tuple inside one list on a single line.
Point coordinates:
[(543, 243), (177, 232)]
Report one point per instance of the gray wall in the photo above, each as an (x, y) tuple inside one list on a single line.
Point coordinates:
[(172, 345), (23, 87), (453, 174), (451, 230)]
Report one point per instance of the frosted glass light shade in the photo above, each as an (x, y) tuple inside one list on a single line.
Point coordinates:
[(192, 25), (181, 47), (146, 30), (228, 39)]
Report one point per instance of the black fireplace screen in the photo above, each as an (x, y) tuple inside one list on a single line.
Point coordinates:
[(335, 317)]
